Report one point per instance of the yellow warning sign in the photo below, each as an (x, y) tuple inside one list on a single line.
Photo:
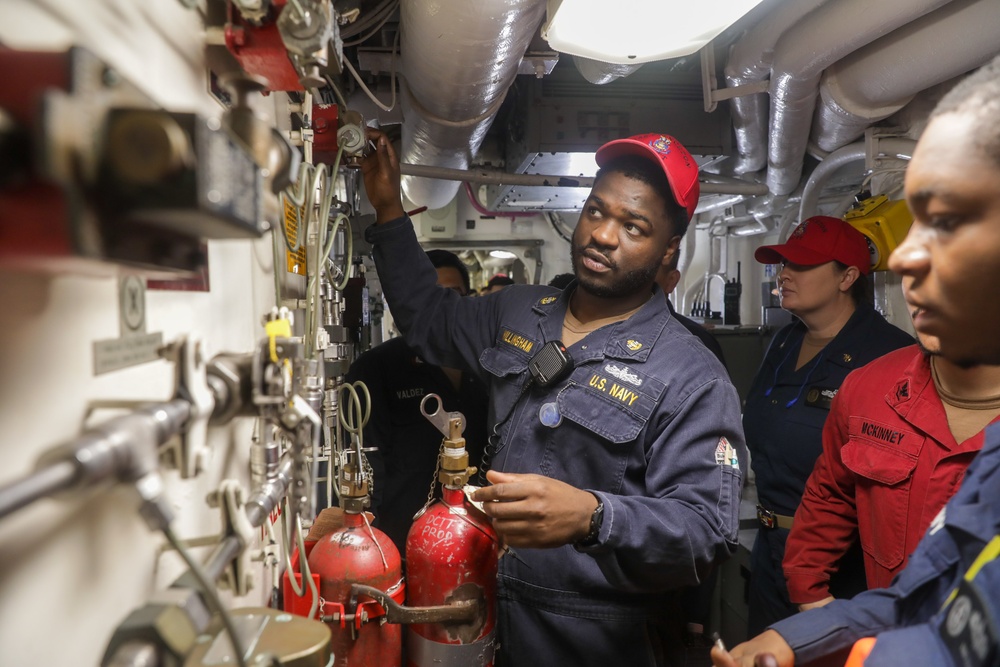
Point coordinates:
[(297, 259)]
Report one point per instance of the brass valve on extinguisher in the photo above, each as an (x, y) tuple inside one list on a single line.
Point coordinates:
[(354, 497), (455, 470)]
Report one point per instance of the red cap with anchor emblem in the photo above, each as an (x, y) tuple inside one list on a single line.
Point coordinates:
[(678, 165), (818, 240)]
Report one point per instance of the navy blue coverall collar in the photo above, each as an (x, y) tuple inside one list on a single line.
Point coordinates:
[(617, 340)]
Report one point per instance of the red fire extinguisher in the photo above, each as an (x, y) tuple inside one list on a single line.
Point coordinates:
[(357, 553), (451, 555)]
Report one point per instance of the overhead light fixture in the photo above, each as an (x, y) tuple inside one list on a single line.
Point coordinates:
[(502, 254), (629, 32)]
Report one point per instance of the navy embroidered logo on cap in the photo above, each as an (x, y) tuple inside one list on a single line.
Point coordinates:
[(661, 145)]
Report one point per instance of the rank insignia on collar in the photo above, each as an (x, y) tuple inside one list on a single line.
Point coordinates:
[(847, 358), (547, 300), (903, 390), (633, 345)]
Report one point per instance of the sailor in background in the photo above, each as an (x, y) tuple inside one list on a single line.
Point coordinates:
[(944, 608), (823, 282)]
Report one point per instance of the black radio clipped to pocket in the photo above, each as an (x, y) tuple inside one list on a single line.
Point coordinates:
[(551, 364)]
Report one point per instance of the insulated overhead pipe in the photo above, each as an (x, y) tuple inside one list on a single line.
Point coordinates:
[(857, 152), (820, 39), (461, 58), (600, 73), (750, 62), (713, 185), (878, 80)]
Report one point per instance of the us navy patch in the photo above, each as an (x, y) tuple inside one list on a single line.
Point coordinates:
[(612, 389)]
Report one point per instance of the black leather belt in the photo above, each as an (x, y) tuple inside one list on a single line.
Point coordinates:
[(770, 519)]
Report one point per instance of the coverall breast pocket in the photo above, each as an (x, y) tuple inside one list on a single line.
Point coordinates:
[(603, 441), (882, 494), (510, 366)]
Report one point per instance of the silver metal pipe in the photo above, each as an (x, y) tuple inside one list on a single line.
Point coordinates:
[(42, 483), (494, 176), (730, 186), (124, 448), (818, 178), (258, 510), (856, 152)]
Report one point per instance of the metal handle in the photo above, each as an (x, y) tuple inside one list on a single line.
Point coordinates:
[(443, 421), (459, 611)]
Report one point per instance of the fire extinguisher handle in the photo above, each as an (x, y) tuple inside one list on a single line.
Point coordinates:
[(462, 611), (443, 421)]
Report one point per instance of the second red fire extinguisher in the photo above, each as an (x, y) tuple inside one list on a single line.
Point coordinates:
[(451, 556), (355, 554)]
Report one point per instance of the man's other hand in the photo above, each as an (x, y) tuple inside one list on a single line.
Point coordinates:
[(806, 606), (536, 512), (767, 649), (380, 169)]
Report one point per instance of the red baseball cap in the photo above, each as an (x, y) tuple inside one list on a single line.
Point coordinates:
[(818, 240), (678, 165)]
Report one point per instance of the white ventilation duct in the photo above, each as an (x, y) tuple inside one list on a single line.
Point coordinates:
[(750, 62), (600, 73), (461, 56), (880, 79), (843, 156), (823, 37)]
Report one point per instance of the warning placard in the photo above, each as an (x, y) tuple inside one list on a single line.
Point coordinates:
[(296, 260)]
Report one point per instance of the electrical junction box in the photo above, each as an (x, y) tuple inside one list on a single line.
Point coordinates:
[(885, 223)]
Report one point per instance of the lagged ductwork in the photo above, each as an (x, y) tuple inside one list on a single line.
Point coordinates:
[(878, 80), (750, 62), (600, 73), (460, 59), (822, 38)]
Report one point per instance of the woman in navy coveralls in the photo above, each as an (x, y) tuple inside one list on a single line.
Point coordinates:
[(822, 282)]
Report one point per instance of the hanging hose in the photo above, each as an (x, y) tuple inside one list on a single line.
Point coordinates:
[(211, 595)]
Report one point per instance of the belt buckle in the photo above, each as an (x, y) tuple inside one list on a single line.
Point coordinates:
[(766, 517)]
